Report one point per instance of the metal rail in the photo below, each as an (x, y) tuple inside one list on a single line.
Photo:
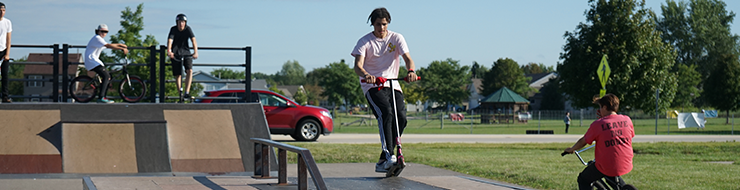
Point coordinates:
[(306, 163)]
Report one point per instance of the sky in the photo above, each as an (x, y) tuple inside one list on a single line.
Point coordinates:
[(319, 32)]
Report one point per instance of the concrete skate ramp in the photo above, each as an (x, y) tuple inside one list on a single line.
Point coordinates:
[(187, 135), (129, 138), (22, 149)]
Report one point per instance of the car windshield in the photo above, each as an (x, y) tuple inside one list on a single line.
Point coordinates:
[(272, 100)]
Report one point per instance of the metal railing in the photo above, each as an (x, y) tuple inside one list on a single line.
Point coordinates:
[(306, 163), (55, 68), (247, 69), (151, 63)]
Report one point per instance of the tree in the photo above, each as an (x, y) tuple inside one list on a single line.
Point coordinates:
[(478, 71), (132, 23), (640, 61), (688, 81), (506, 73), (291, 74), (226, 73), (340, 85), (300, 97), (552, 97), (445, 81), (723, 85), (16, 71), (700, 32), (536, 68)]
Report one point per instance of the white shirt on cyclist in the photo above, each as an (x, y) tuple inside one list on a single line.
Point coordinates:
[(92, 52)]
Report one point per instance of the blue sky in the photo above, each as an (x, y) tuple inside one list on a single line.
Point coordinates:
[(318, 32)]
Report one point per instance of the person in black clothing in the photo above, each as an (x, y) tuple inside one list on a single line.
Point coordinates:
[(6, 28), (178, 50)]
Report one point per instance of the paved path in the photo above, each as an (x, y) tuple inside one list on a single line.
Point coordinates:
[(464, 138)]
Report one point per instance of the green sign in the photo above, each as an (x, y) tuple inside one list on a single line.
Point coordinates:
[(603, 72)]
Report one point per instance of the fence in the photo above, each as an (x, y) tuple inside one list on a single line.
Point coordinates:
[(247, 70), (56, 96), (474, 122)]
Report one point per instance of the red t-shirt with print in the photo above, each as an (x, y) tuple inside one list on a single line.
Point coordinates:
[(613, 135)]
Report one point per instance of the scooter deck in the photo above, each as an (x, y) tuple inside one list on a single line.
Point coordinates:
[(395, 170)]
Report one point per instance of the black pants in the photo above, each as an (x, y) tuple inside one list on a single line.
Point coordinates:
[(381, 102), (5, 68), (105, 76), (591, 174), (566, 127)]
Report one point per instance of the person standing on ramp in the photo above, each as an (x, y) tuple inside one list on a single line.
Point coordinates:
[(377, 59), (178, 50)]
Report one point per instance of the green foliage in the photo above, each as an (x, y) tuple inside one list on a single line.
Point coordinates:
[(700, 32), (552, 96), (273, 87), (640, 61), (723, 85), (300, 97), (313, 94), (478, 71), (688, 82), (226, 73), (506, 73), (16, 72), (340, 84), (444, 82), (132, 23), (291, 74), (536, 68)]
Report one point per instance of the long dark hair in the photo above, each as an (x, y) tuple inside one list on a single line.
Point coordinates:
[(378, 14)]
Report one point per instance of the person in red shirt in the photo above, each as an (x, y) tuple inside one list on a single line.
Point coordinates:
[(613, 135)]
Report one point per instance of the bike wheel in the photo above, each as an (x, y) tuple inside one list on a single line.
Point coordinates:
[(132, 90), (82, 89)]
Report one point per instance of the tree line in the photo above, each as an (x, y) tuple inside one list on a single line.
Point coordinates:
[(687, 54)]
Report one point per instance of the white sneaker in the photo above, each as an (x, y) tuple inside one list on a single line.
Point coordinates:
[(387, 165), (379, 167)]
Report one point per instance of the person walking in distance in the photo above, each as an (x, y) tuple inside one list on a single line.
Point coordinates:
[(6, 28), (376, 59), (178, 50), (613, 135), (92, 59), (567, 121)]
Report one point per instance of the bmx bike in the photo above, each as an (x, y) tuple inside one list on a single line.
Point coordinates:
[(131, 88), (614, 183)]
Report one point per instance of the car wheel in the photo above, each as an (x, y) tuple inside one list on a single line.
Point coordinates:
[(307, 130)]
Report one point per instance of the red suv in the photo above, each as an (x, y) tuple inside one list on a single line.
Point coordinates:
[(284, 116)]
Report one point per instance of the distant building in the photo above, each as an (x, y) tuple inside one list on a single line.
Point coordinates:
[(537, 82), (45, 89)]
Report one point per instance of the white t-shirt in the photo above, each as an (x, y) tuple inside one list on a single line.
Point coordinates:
[(5, 28), (92, 52), (382, 57)]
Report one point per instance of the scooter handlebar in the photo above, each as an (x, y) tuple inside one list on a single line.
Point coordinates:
[(564, 153), (404, 78)]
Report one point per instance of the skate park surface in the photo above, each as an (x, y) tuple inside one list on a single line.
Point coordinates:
[(336, 176), (191, 165)]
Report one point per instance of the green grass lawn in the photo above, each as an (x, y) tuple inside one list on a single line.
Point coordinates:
[(662, 165), (714, 126)]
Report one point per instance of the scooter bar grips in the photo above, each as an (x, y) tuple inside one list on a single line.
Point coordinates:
[(405, 79), (564, 153)]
